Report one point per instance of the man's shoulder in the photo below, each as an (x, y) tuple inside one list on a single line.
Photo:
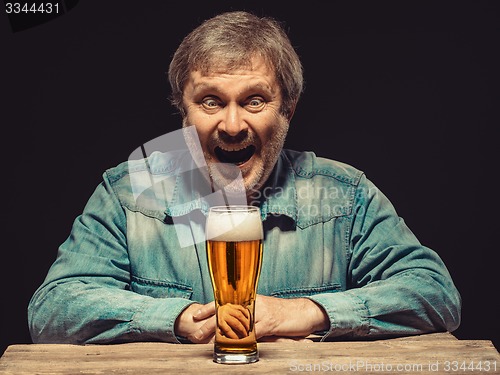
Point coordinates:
[(307, 164)]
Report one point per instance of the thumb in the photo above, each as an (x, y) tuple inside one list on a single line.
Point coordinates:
[(205, 311)]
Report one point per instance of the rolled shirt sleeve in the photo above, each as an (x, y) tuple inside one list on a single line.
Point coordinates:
[(86, 296), (396, 286)]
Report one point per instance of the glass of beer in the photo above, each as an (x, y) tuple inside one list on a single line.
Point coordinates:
[(234, 250)]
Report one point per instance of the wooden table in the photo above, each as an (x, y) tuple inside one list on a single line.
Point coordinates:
[(439, 353)]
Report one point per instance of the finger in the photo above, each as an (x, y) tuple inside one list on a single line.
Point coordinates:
[(227, 330), (243, 310), (205, 332), (205, 311), (243, 320), (240, 319), (237, 327)]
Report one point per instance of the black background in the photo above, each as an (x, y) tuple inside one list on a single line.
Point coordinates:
[(405, 90)]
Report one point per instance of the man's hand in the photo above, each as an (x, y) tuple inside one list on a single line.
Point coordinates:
[(297, 318), (234, 321), (197, 323), (275, 320)]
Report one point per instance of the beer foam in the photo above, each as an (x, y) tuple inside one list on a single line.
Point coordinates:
[(234, 226)]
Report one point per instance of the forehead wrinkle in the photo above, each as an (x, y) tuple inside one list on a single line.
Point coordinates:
[(249, 87)]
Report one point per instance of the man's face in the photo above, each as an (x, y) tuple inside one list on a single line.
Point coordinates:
[(237, 117)]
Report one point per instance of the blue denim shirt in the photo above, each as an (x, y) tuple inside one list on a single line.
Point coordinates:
[(330, 235)]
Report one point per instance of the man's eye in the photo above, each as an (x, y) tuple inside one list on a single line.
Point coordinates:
[(210, 103), (255, 102)]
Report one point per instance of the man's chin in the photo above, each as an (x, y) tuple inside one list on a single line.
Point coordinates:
[(227, 177), (230, 178)]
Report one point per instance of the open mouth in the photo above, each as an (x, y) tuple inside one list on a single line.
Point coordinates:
[(237, 157)]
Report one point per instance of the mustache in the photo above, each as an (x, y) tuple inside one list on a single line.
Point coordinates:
[(242, 139)]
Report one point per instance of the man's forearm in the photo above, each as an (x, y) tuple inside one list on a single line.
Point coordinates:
[(298, 317), (56, 316)]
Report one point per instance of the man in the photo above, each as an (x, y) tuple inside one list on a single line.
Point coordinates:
[(338, 261)]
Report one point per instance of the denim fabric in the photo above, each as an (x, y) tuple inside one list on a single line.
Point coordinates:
[(330, 235)]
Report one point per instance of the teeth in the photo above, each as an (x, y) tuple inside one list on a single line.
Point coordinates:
[(236, 148), (234, 155)]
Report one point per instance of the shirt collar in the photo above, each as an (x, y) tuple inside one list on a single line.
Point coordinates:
[(192, 191), (278, 196)]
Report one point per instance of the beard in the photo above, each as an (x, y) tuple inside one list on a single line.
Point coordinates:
[(247, 178)]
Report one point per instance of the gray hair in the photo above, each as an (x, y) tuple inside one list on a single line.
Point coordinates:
[(229, 41)]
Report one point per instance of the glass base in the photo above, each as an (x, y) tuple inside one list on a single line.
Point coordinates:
[(236, 358)]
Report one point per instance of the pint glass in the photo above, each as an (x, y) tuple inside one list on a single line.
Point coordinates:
[(234, 250)]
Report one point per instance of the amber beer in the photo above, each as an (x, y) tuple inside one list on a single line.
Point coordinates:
[(234, 250)]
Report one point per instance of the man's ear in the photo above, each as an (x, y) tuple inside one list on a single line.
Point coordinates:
[(292, 111)]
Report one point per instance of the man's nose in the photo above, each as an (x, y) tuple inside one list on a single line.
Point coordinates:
[(232, 123)]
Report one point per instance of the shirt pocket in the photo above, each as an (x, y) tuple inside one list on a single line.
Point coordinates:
[(160, 289), (306, 291)]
